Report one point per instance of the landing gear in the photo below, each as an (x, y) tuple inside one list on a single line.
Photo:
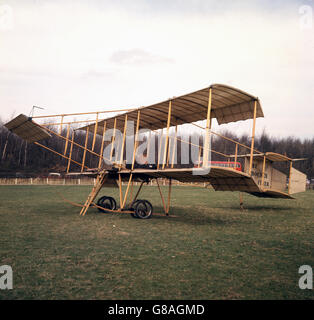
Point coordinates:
[(106, 203), (143, 209)]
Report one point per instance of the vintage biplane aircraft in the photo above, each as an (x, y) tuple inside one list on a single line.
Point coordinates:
[(221, 102)]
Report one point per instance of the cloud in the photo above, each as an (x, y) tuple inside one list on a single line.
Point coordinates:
[(137, 57), (99, 73)]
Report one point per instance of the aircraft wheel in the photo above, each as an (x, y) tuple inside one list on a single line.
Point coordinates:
[(106, 203), (143, 209), (132, 208)]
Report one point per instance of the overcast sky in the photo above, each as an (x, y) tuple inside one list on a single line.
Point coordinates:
[(77, 56)]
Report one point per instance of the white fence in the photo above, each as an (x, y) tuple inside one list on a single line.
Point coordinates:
[(80, 181), (46, 181)]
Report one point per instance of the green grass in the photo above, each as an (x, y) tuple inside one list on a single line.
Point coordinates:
[(210, 250)]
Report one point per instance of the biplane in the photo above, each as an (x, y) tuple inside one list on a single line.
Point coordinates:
[(244, 170)]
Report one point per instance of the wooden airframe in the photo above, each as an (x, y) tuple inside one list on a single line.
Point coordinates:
[(221, 102)]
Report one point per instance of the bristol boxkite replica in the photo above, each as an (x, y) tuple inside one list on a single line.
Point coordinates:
[(244, 170)]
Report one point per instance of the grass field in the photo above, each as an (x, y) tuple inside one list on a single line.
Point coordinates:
[(210, 250)]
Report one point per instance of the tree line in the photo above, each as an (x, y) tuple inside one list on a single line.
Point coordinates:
[(18, 156)]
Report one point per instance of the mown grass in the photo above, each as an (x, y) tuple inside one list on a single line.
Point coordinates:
[(209, 250)]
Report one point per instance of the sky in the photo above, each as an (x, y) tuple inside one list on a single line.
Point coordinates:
[(79, 56)]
